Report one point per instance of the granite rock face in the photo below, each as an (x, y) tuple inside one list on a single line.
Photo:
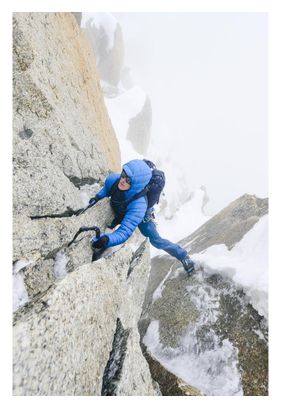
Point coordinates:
[(46, 239), (78, 17), (63, 137), (64, 340), (74, 319)]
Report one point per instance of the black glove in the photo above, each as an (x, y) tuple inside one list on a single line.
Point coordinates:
[(101, 242), (93, 200)]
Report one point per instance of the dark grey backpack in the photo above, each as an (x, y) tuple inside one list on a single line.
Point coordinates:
[(155, 185)]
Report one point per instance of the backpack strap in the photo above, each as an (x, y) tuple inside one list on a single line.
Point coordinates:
[(138, 195)]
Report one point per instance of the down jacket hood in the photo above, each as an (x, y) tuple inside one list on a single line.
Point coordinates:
[(140, 174)]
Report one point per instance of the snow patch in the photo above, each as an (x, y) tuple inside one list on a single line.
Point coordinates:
[(260, 334), (158, 292), (20, 295), (213, 370), (151, 338), (22, 263), (60, 265)]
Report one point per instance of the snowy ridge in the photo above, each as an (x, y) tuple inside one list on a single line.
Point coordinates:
[(246, 264)]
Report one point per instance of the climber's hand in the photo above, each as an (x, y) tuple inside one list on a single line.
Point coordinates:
[(100, 243), (92, 201)]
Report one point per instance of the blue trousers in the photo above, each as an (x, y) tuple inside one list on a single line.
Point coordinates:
[(148, 229)]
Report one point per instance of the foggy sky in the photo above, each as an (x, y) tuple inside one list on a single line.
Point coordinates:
[(206, 75)]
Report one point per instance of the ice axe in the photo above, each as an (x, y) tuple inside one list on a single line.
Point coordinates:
[(92, 202), (96, 252), (68, 213), (82, 210)]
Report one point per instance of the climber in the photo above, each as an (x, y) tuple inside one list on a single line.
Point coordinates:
[(133, 194)]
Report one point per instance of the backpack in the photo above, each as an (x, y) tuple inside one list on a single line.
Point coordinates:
[(155, 185), (152, 191)]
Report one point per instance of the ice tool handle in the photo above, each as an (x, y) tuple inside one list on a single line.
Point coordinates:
[(82, 210), (85, 229)]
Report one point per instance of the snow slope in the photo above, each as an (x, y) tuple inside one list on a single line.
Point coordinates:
[(246, 264)]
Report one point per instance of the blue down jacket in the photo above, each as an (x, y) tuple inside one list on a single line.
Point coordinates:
[(140, 174)]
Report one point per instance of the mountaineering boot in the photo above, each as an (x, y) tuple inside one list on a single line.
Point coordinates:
[(188, 265)]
